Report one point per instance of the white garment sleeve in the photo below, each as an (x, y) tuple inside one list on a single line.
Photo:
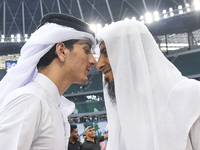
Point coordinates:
[(19, 121), (193, 142)]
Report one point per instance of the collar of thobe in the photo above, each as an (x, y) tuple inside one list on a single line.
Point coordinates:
[(50, 87), (60, 102)]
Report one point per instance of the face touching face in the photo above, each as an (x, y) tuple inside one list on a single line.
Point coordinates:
[(103, 63), (90, 133), (79, 61)]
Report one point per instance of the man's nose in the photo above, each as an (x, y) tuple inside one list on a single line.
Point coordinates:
[(100, 64), (92, 60)]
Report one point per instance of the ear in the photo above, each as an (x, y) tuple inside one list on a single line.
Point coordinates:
[(61, 51)]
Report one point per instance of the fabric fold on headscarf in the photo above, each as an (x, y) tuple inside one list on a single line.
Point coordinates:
[(156, 105), (39, 44)]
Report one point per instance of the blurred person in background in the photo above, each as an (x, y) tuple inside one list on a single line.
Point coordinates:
[(84, 136), (92, 142), (74, 143)]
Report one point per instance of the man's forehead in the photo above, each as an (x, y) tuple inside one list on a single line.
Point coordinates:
[(102, 48), (85, 42), (89, 128)]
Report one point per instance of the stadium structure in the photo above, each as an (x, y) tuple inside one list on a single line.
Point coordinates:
[(175, 25)]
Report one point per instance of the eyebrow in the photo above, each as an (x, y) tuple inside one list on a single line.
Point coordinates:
[(103, 49), (87, 43)]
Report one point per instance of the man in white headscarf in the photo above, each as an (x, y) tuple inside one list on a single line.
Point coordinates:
[(150, 105), (33, 114)]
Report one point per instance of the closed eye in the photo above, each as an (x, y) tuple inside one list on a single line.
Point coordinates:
[(87, 51), (104, 51)]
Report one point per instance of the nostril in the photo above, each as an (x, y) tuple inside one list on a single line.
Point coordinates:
[(101, 67)]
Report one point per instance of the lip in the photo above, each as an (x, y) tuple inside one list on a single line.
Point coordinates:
[(88, 69), (105, 72)]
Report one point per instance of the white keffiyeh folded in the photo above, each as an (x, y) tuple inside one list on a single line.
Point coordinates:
[(39, 44)]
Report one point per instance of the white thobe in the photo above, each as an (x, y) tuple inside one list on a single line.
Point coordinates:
[(193, 141), (30, 117)]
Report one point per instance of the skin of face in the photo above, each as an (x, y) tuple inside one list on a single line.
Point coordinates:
[(90, 133), (71, 66), (103, 63), (74, 133), (79, 62)]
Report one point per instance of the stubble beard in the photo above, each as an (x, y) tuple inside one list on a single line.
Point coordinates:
[(75, 138), (111, 90)]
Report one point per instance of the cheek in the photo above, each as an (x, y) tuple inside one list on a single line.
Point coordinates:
[(81, 60), (82, 63), (77, 63)]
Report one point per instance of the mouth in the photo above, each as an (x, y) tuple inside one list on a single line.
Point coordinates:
[(105, 72), (88, 69)]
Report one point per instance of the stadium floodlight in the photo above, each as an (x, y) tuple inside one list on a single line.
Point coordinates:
[(26, 39), (25, 35), (126, 18), (180, 7), (180, 11), (188, 10), (148, 18), (2, 36), (133, 18), (18, 40), (170, 9), (142, 19), (2, 40), (165, 15), (12, 36), (164, 11), (156, 16), (99, 27), (197, 4), (93, 27), (12, 40), (187, 5), (171, 14), (18, 36)]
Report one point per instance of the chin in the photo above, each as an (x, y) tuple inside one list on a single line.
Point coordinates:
[(82, 81), (109, 80)]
